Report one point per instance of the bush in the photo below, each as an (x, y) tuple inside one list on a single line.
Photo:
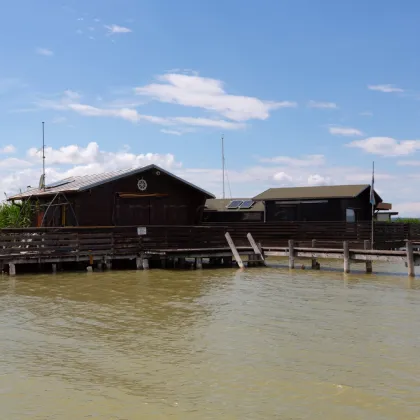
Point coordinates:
[(406, 220), (15, 215)]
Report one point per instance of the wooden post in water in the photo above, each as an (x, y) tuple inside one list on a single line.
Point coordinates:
[(259, 258), (313, 259), (139, 263), (410, 259), (54, 268), (346, 255), (198, 263), (234, 250), (145, 263), (291, 254), (12, 269), (368, 263)]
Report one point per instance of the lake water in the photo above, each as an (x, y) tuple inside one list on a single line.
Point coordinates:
[(212, 344)]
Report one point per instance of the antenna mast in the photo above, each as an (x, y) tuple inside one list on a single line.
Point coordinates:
[(43, 155), (223, 164)]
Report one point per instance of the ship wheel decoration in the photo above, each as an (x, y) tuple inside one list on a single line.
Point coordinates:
[(142, 184)]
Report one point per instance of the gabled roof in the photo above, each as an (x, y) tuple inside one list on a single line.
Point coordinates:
[(220, 204), (86, 182), (313, 193)]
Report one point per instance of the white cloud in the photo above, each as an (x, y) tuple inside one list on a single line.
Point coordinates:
[(409, 209), (209, 94), (322, 105), (388, 88), (44, 51), (345, 131), (386, 146), (282, 178), (79, 32), (172, 132), (116, 29), (366, 114), (70, 102), (310, 160), (8, 149), (316, 179), (74, 160)]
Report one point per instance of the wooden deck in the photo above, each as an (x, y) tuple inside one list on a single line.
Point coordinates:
[(169, 246)]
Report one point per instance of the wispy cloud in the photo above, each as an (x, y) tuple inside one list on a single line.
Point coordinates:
[(345, 131), (388, 88), (322, 105), (172, 132), (386, 146), (44, 51), (310, 160), (366, 114), (209, 94), (116, 29), (70, 101), (8, 149), (408, 163)]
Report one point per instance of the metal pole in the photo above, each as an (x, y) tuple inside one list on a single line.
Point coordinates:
[(43, 153), (223, 164), (373, 206)]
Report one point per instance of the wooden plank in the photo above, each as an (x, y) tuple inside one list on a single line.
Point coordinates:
[(255, 247), (387, 258), (234, 250), (318, 254)]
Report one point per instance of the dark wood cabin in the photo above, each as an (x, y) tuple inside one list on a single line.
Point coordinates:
[(349, 203), (143, 196), (233, 210)]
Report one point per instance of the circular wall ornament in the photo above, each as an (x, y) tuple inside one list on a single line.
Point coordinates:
[(142, 184)]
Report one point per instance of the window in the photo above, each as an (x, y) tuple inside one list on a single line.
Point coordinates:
[(350, 215)]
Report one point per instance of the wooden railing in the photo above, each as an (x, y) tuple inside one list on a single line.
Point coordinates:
[(114, 241), (328, 234)]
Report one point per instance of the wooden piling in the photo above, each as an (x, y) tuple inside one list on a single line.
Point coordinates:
[(369, 267), (54, 268), (12, 269), (291, 254), (139, 263), (410, 259), (258, 257), (346, 254), (234, 250), (198, 263), (145, 263), (314, 265)]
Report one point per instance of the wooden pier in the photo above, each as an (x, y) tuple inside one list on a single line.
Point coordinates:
[(53, 249)]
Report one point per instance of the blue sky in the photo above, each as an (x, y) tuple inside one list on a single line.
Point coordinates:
[(306, 92)]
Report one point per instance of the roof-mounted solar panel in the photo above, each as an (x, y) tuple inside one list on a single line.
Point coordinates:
[(60, 183), (234, 204), (247, 204)]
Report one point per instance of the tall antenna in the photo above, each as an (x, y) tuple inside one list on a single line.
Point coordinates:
[(43, 156), (223, 164)]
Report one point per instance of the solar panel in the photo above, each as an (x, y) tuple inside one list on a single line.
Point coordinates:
[(247, 204), (60, 183), (234, 204)]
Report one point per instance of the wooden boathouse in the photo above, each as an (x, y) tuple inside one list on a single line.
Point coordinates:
[(143, 196), (149, 217)]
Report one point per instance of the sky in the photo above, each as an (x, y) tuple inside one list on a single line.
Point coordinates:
[(305, 92)]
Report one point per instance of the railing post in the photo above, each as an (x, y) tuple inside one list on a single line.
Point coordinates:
[(313, 259), (291, 254), (368, 263), (410, 259), (346, 255)]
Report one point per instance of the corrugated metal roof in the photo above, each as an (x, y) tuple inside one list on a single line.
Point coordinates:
[(85, 182), (311, 193), (220, 204)]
